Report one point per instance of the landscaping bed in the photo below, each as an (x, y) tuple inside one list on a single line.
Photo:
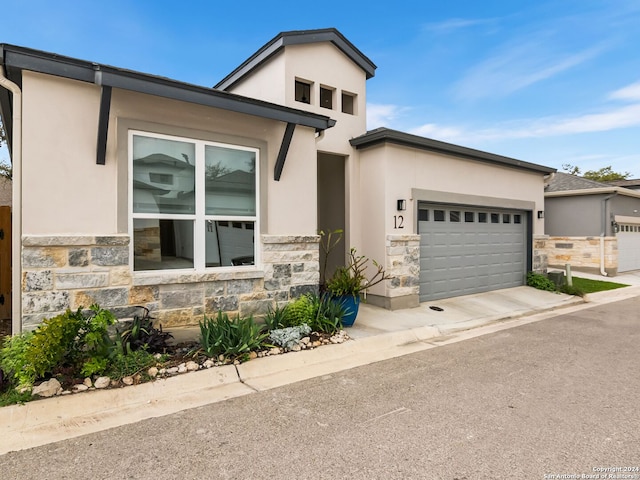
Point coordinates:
[(87, 349)]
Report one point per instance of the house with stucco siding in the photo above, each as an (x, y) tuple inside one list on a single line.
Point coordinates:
[(191, 199)]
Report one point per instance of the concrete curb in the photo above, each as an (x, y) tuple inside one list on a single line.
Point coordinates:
[(50, 420)]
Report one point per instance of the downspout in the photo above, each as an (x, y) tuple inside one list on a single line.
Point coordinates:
[(604, 232), (16, 203)]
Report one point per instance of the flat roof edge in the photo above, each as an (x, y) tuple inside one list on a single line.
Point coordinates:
[(385, 135)]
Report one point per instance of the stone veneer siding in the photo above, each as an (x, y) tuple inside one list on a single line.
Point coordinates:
[(540, 258), (60, 272), (402, 264), (582, 253)]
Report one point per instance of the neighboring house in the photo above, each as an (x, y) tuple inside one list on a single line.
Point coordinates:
[(591, 225), (633, 184), (141, 190)]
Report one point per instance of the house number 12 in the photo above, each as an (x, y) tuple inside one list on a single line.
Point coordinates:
[(398, 221)]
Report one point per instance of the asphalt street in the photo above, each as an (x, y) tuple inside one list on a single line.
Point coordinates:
[(553, 399)]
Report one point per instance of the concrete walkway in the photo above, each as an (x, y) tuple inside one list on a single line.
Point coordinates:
[(378, 335)]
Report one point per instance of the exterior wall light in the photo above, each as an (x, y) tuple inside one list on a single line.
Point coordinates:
[(402, 205), (540, 213)]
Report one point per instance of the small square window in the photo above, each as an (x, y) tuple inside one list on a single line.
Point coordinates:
[(326, 98), (495, 218), (517, 218), (506, 218), (348, 103), (423, 215), (303, 92), (454, 216), (482, 217), (469, 217), (438, 215)]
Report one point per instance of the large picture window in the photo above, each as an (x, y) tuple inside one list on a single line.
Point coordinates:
[(194, 204)]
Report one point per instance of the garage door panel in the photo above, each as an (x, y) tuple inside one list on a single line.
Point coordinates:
[(459, 258), (628, 247)]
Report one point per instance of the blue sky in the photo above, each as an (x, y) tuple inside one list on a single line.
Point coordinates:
[(550, 82)]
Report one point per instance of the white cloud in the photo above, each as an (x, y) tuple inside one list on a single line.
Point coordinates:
[(630, 92), (517, 67), (379, 115), (439, 132), (552, 126), (452, 24)]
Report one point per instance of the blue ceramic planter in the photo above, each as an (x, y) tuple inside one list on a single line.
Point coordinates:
[(350, 305)]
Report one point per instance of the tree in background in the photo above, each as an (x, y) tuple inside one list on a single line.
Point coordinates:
[(605, 174), (5, 168)]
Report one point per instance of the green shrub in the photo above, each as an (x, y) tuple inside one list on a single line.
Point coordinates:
[(301, 310), (124, 365), (224, 336), (53, 342), (67, 340), (541, 282), (319, 312), (276, 317), (328, 314), (13, 360)]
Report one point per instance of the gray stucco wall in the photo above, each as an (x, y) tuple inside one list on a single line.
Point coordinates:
[(573, 216), (626, 206), (580, 216)]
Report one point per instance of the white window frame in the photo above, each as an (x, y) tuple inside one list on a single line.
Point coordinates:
[(200, 217)]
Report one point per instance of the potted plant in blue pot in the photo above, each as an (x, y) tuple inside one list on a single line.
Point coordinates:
[(350, 281)]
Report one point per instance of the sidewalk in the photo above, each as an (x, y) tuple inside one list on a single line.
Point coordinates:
[(378, 335)]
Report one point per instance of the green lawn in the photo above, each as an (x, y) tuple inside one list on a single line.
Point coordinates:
[(586, 285)]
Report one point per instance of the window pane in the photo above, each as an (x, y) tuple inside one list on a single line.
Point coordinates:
[(468, 217), (303, 92), (517, 218), (438, 215), (326, 98), (423, 215), (163, 176), (162, 244), (506, 218), (230, 181), (348, 103), (229, 243), (495, 218), (454, 216), (482, 217)]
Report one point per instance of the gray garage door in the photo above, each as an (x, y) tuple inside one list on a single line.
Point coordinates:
[(466, 250)]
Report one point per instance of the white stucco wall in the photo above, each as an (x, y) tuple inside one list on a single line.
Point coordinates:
[(66, 193), (321, 64), (392, 172), (267, 82)]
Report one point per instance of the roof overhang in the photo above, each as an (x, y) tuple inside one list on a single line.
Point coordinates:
[(388, 136), (15, 59), (298, 37), (594, 191)]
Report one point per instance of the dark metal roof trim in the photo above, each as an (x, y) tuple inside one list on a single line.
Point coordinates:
[(21, 58), (298, 37), (385, 135), (284, 149)]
